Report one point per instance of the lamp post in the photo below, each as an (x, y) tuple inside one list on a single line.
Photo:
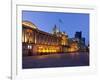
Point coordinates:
[(29, 50)]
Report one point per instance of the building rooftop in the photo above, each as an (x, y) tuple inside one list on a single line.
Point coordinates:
[(29, 24)]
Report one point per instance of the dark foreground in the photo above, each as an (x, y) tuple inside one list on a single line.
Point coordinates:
[(56, 60)]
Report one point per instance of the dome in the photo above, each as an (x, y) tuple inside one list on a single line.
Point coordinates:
[(29, 24)]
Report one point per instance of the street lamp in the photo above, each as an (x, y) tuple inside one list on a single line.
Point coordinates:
[(29, 50)]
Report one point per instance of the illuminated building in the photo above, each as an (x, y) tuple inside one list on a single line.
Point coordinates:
[(35, 41), (73, 45)]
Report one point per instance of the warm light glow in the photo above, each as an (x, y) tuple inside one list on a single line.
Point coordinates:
[(64, 40), (48, 49), (25, 38)]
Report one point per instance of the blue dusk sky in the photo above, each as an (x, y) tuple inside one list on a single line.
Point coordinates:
[(68, 22)]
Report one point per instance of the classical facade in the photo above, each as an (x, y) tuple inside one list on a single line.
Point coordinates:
[(35, 41)]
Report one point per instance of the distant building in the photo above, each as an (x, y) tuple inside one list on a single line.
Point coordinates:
[(78, 35), (81, 41)]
